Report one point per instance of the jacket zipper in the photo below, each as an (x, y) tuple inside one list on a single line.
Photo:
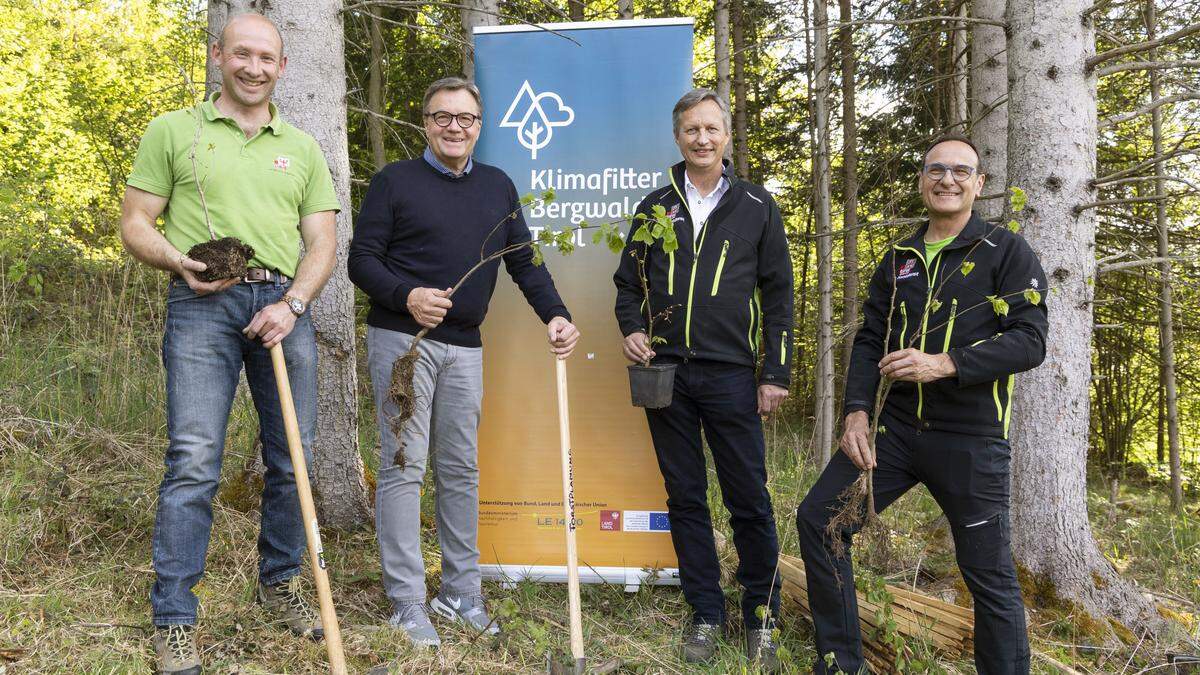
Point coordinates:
[(783, 348), (671, 273), (903, 323), (950, 325), (720, 266)]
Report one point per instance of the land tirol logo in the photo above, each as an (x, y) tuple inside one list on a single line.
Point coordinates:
[(535, 117)]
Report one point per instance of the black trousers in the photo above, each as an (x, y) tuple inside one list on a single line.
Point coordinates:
[(969, 477), (721, 399)]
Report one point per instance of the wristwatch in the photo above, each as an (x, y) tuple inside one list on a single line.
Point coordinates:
[(295, 304)]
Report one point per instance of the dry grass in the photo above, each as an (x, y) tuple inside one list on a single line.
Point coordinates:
[(81, 441)]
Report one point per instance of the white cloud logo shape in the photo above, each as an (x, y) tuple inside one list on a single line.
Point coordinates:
[(537, 119)]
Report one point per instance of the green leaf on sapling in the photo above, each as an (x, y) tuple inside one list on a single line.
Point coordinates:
[(966, 268), (1033, 296), (1014, 226), (527, 199), (538, 259), (548, 196), (935, 306), (1017, 199), (999, 305)]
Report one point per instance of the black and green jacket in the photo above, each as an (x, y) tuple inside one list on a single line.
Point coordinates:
[(988, 347), (729, 290)]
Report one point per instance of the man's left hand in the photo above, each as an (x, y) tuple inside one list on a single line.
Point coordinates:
[(271, 324), (562, 335), (770, 397), (914, 365)]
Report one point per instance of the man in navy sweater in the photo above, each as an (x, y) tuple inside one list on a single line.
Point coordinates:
[(423, 223)]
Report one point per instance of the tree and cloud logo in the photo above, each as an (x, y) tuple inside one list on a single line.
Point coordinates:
[(535, 117)]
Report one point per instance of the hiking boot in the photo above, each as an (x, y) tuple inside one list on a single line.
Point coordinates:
[(761, 649), (285, 601), (700, 642), (470, 611), (414, 621), (175, 650)]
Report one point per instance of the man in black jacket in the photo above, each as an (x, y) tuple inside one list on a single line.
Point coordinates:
[(964, 301), (729, 280)]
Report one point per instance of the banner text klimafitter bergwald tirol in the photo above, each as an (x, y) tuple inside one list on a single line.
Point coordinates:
[(584, 110)]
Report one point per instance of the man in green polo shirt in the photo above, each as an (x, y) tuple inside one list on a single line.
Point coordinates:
[(266, 183)]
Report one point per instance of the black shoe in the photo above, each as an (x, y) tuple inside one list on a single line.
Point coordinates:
[(700, 642), (761, 650)]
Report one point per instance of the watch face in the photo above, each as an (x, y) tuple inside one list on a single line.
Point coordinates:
[(296, 305)]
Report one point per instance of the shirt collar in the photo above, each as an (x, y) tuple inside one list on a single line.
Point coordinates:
[(212, 113), (717, 191), (433, 161)]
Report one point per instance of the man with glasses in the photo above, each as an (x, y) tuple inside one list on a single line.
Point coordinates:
[(423, 223), (964, 300)]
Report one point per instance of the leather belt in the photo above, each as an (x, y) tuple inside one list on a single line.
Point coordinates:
[(257, 274)]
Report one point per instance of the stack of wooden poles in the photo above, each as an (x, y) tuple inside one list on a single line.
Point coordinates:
[(949, 628)]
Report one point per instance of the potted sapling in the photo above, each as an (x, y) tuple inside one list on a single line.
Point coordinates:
[(652, 384)]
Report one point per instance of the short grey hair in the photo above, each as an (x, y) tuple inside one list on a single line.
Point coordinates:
[(452, 84), (694, 98)]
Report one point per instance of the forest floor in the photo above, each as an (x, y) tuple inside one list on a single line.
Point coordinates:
[(82, 433)]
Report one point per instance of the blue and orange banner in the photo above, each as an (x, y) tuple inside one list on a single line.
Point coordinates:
[(583, 109)]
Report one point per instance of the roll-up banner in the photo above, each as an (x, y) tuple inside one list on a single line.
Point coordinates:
[(583, 109)]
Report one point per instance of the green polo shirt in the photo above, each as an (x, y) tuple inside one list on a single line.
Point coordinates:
[(257, 189)]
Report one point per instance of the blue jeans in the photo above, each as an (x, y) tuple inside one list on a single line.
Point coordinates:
[(204, 350)]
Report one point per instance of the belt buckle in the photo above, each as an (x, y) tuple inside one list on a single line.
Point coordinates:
[(255, 275)]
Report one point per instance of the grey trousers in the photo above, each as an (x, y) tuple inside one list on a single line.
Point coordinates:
[(445, 423)]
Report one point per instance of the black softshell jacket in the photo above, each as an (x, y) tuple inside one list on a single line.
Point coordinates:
[(729, 291), (987, 347)]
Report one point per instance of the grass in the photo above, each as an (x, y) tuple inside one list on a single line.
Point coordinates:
[(81, 438)]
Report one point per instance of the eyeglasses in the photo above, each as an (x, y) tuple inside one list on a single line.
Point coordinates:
[(443, 119), (960, 172)]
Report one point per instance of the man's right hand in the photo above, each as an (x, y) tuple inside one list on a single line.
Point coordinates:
[(637, 347), (429, 305), (855, 440), (187, 269)]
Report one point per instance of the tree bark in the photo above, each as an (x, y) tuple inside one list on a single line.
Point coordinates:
[(824, 386), (958, 64), (625, 9), (849, 181), (1052, 110), (476, 13), (575, 10), (989, 112), (313, 98), (741, 151), (721, 49), (375, 93), (217, 15), (1166, 326)]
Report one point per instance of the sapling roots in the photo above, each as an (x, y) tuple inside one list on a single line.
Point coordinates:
[(226, 258)]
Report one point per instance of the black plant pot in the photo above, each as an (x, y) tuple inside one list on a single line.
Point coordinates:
[(651, 386)]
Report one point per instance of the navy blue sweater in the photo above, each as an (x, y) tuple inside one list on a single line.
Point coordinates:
[(418, 228)]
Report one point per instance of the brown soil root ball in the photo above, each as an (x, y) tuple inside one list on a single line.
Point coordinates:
[(226, 258), (404, 396)]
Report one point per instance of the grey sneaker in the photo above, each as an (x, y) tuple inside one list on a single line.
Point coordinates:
[(761, 649), (285, 601), (414, 621), (700, 642), (175, 650), (470, 611)]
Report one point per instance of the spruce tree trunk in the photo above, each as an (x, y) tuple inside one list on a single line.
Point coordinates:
[(741, 149), (849, 182), (989, 111), (958, 62), (575, 10), (824, 385), (625, 9), (476, 13), (721, 50), (375, 93), (1052, 156), (1166, 324)]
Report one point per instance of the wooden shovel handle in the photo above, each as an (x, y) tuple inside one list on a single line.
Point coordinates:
[(564, 436), (308, 513)]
